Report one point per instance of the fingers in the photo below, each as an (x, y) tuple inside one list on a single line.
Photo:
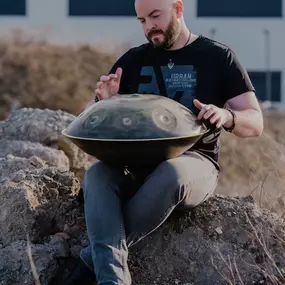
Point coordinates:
[(203, 111), (215, 119), (208, 114), (106, 78), (99, 84), (117, 75), (119, 72), (219, 123), (198, 104), (107, 82), (98, 93), (211, 113)]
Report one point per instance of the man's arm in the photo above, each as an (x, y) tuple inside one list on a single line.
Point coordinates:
[(239, 94), (249, 118)]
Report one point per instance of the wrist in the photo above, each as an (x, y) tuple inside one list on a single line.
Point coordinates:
[(231, 121)]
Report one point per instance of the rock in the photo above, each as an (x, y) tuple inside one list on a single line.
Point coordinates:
[(26, 149), (224, 240), (219, 230), (188, 248), (75, 250), (38, 205), (45, 127), (11, 165), (59, 245), (15, 267)]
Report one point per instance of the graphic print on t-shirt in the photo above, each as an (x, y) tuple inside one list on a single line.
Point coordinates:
[(178, 82)]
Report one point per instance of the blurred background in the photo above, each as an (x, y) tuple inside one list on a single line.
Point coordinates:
[(53, 52)]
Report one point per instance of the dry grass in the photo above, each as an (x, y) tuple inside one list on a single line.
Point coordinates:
[(256, 165), (32, 263), (272, 274), (38, 74)]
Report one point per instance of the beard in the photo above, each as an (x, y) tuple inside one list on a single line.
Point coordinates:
[(169, 35)]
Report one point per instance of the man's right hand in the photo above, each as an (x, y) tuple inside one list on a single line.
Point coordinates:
[(109, 85)]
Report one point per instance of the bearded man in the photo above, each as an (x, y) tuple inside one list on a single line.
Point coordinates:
[(203, 75)]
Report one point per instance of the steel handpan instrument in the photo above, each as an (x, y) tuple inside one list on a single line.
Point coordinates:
[(135, 130)]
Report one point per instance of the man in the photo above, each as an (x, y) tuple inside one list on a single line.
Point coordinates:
[(203, 75)]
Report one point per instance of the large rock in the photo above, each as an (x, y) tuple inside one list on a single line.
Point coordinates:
[(27, 149), (16, 259), (10, 165), (36, 202), (45, 127), (223, 241)]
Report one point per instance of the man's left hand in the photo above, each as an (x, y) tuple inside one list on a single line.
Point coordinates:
[(216, 115)]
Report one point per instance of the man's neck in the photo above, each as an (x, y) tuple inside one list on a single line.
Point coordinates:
[(185, 38)]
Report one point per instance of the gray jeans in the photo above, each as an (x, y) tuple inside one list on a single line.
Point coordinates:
[(122, 209)]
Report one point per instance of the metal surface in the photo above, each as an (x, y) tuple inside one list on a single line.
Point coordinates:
[(135, 129)]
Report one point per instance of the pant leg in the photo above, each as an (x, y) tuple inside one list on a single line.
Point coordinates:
[(183, 182), (107, 254)]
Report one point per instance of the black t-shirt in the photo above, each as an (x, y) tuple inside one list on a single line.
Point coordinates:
[(205, 69)]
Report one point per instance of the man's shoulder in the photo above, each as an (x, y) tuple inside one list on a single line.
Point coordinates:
[(214, 48), (215, 45)]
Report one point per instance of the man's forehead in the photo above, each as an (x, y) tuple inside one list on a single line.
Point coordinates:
[(152, 4)]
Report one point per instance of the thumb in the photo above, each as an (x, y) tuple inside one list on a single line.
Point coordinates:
[(198, 104), (119, 72)]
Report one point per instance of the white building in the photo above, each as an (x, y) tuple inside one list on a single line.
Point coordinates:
[(254, 29)]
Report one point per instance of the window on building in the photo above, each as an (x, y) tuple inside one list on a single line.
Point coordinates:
[(101, 8), (259, 80), (239, 8), (13, 7)]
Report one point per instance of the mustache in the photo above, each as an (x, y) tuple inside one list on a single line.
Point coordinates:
[(151, 33)]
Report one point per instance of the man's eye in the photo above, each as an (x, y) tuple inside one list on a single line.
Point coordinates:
[(156, 16)]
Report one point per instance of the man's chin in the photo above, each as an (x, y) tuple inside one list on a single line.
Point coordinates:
[(161, 45), (158, 44)]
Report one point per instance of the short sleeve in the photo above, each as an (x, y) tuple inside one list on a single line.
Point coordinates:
[(236, 80)]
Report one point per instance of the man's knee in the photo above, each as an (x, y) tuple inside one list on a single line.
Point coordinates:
[(173, 171), (168, 181), (96, 169), (100, 175), (187, 174), (96, 174), (166, 173)]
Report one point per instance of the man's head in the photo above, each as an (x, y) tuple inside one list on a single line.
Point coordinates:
[(161, 20)]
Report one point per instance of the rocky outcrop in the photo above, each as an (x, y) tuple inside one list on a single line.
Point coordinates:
[(15, 265), (45, 127), (36, 203), (223, 241), (27, 149)]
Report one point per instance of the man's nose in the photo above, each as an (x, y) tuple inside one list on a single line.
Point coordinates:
[(149, 26)]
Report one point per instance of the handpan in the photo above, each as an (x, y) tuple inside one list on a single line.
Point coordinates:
[(135, 130)]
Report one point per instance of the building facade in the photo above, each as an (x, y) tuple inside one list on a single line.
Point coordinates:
[(254, 29)]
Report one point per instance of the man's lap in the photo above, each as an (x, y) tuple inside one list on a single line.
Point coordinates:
[(189, 168)]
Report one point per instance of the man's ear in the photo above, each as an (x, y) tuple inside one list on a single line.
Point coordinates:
[(179, 8)]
